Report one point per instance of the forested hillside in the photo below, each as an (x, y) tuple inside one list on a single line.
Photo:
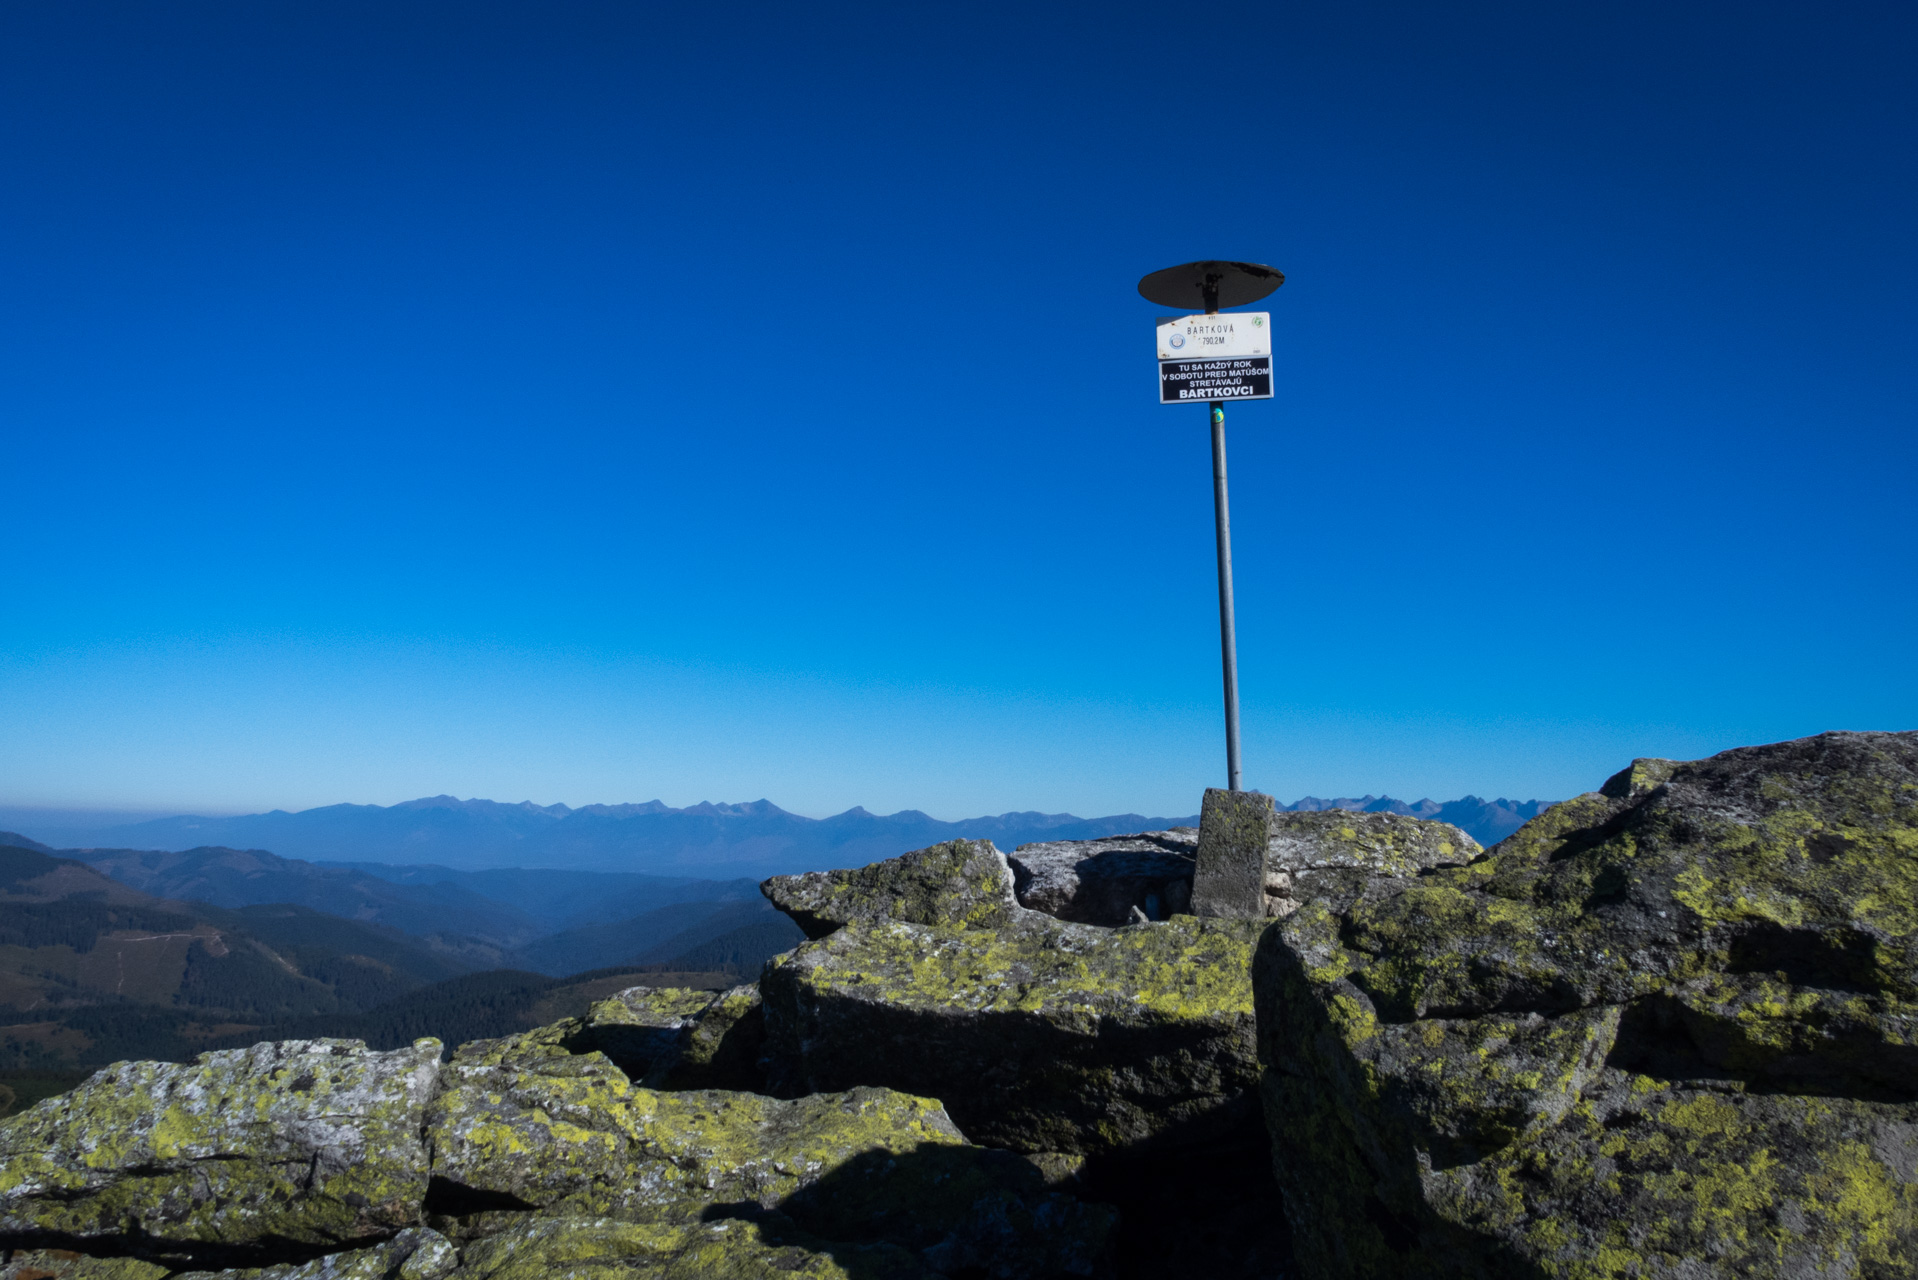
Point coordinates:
[(94, 971), (466, 911), (654, 937)]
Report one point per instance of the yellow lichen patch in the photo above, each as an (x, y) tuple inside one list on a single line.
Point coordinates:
[(1877, 1209), (1728, 1198), (1183, 968), (649, 1007), (1355, 1022), (1701, 1117)]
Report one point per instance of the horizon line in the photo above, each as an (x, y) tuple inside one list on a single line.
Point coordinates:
[(160, 814)]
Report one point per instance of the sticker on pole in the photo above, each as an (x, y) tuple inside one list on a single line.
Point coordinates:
[(1183, 381), (1228, 333)]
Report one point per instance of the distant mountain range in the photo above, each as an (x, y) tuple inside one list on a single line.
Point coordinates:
[(704, 840)]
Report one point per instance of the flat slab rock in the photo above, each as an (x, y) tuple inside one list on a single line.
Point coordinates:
[(1668, 1029), (961, 882), (414, 1254), (675, 1038), (525, 1126), (70, 1264), (1333, 855), (314, 1142), (1102, 881), (1041, 1036)]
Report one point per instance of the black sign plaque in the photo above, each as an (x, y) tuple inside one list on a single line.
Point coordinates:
[(1240, 378)]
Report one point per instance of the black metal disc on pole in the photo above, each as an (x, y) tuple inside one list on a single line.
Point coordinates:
[(1207, 286)]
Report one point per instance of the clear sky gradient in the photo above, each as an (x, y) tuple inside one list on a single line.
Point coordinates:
[(599, 402)]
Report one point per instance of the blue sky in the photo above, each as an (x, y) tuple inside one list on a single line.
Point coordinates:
[(598, 402)]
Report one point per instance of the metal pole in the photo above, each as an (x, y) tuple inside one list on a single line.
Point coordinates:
[(1228, 641), (1222, 518)]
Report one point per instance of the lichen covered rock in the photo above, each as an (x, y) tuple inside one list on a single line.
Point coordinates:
[(1101, 881), (68, 1264), (414, 1254), (308, 1142), (570, 1133), (1665, 1030), (528, 1126), (674, 1038), (1039, 1036), (728, 1249), (962, 882), (1334, 854)]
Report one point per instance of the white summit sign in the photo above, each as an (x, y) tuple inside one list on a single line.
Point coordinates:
[(1213, 337)]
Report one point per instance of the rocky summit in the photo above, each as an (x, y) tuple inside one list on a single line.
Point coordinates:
[(1666, 1030), (1038, 1034)]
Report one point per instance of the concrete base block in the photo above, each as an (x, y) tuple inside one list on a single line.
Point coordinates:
[(1235, 828)]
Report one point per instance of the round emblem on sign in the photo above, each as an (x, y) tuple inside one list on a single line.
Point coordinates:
[(1258, 322), (1176, 341)]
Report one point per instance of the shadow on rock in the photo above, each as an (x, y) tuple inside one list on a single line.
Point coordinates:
[(957, 1211), (1201, 1212)]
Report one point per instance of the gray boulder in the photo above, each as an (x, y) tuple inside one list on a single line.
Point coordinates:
[(572, 1247), (414, 1254), (305, 1142), (961, 882), (1102, 881), (1332, 855), (1041, 1036), (1668, 1029), (539, 1145), (674, 1038)]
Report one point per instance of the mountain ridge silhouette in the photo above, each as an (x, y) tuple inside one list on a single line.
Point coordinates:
[(753, 838)]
